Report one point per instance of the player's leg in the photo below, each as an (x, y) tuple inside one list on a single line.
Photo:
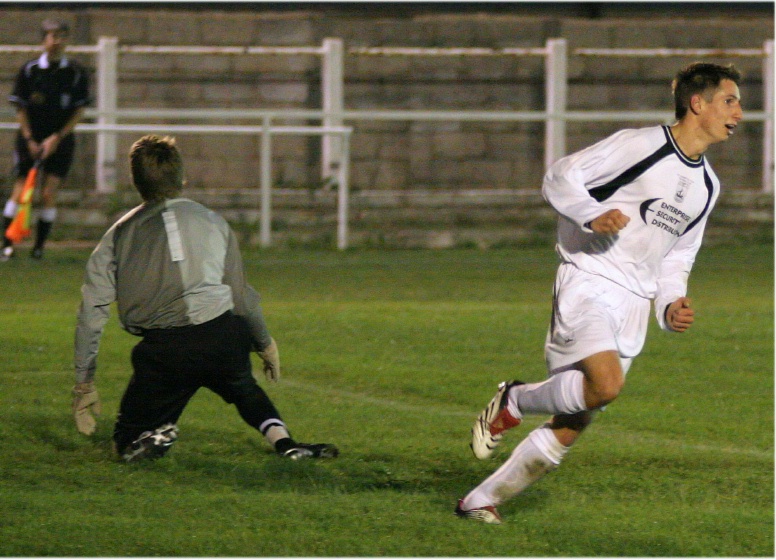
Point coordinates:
[(543, 449), (587, 385), (231, 377), (540, 453), (590, 325), (258, 411), (56, 168), (592, 382), (590, 319), (152, 402), (9, 212), (22, 165), (604, 378), (562, 393), (47, 214)]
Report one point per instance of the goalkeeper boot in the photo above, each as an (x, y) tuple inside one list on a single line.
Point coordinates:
[(7, 253), (493, 422), (487, 514), (295, 451), (151, 444)]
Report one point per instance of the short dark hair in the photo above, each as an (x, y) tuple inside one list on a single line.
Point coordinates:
[(157, 168), (50, 25), (699, 78)]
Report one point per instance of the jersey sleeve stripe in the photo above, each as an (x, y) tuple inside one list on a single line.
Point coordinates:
[(605, 191)]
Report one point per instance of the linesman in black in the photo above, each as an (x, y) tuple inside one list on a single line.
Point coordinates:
[(50, 94)]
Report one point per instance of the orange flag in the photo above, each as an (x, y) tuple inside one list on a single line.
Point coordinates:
[(19, 228)]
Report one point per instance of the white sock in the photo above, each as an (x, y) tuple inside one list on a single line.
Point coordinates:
[(10, 209), (539, 453), (563, 393), (276, 432), (48, 215)]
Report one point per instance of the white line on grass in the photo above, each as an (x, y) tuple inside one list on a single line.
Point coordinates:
[(633, 436), (388, 403)]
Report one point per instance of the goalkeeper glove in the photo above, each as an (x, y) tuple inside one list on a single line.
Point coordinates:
[(271, 359), (86, 401)]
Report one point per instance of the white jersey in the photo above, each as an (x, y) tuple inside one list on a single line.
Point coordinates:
[(666, 195)]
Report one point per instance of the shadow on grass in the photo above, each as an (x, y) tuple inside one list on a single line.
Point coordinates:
[(203, 459)]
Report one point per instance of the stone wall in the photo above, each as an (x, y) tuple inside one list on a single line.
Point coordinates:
[(394, 156)]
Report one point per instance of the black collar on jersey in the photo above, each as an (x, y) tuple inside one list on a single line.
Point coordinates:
[(686, 160)]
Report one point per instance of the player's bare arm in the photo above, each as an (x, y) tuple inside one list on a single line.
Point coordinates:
[(680, 315), (610, 222), (26, 131), (50, 144)]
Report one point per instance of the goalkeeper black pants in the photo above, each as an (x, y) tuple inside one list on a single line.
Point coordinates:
[(170, 365)]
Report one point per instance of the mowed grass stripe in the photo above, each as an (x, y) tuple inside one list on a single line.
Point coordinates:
[(632, 437), (391, 355)]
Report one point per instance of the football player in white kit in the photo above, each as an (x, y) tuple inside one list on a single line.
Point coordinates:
[(632, 211)]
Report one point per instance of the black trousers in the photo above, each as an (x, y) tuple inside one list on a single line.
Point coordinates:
[(57, 163), (170, 365)]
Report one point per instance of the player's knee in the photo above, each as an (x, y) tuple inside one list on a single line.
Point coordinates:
[(605, 390), (604, 378)]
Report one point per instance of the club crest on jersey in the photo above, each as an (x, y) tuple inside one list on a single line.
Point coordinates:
[(682, 188)]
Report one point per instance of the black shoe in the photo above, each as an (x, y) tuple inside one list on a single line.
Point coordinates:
[(37, 253), (151, 444), (310, 451)]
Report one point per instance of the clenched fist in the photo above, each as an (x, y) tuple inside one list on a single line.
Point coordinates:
[(610, 222)]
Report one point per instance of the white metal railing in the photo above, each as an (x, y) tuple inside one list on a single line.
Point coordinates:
[(107, 52), (334, 137), (766, 115), (555, 80), (266, 130), (556, 114), (332, 113)]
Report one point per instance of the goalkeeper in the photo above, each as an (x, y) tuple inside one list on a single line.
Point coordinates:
[(174, 269)]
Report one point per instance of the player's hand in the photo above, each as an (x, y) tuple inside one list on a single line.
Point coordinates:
[(86, 405), (271, 358), (610, 222), (680, 315), (49, 145), (34, 148)]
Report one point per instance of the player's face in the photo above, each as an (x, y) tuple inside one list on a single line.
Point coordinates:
[(721, 113), (54, 44)]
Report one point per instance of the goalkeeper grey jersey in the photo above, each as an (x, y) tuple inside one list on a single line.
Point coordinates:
[(166, 265), (666, 195)]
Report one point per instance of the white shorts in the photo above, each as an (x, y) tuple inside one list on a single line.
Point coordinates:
[(592, 314)]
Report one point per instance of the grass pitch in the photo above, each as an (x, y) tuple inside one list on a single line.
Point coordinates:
[(391, 355)]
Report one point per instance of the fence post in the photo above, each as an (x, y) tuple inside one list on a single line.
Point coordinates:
[(332, 78), (343, 194), (556, 88), (768, 124), (107, 93), (265, 219)]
